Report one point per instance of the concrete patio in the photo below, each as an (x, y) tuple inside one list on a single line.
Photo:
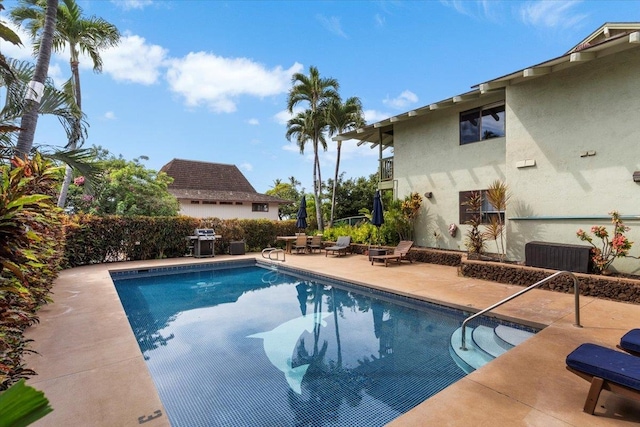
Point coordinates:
[(91, 369)]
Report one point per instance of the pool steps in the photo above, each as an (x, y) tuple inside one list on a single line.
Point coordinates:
[(484, 344)]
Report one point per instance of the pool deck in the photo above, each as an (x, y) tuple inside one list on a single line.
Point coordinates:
[(91, 369)]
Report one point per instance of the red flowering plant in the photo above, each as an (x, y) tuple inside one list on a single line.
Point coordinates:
[(611, 248)]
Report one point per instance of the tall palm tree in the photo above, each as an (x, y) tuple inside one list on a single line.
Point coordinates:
[(342, 117), (56, 102), (29, 118), (82, 36), (316, 92)]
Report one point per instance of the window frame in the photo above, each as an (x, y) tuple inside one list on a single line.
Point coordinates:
[(254, 207), (486, 213), (479, 111)]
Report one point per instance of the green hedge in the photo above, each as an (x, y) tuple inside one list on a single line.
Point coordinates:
[(91, 239)]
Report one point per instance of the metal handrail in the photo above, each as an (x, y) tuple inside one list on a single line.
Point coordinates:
[(267, 252), (576, 290)]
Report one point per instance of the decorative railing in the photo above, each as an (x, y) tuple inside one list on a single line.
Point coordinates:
[(386, 169)]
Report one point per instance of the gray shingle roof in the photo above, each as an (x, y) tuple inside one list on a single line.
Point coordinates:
[(198, 180)]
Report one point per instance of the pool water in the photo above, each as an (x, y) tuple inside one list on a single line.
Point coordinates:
[(255, 347)]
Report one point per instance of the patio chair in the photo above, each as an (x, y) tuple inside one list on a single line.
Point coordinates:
[(630, 342), (300, 244), (341, 247), (399, 253), (605, 369), (315, 243)]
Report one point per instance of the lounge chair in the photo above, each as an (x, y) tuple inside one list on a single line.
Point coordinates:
[(341, 247), (315, 243), (300, 244), (399, 253), (605, 369), (630, 342)]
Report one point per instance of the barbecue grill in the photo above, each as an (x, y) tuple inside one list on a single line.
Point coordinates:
[(203, 241)]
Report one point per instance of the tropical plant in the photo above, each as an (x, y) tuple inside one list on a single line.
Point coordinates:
[(7, 34), (124, 188), (475, 239), (497, 195), (22, 405), (401, 215), (317, 92), (610, 248), (81, 36), (55, 102), (286, 191), (29, 118), (342, 117)]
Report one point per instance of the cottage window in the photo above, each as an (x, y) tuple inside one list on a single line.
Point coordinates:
[(482, 123), (195, 202), (486, 212), (208, 202), (260, 207), (226, 203)]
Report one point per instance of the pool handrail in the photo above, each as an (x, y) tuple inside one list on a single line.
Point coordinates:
[(576, 291), (267, 252)]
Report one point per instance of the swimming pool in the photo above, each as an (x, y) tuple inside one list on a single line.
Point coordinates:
[(235, 344)]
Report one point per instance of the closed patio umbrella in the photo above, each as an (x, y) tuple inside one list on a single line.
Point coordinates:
[(377, 217), (301, 222)]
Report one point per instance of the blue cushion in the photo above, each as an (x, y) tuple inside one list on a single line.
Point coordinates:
[(608, 364), (631, 340)]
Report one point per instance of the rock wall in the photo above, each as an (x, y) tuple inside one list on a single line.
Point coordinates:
[(613, 288)]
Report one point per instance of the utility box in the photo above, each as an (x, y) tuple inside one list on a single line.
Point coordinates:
[(558, 256), (236, 248)]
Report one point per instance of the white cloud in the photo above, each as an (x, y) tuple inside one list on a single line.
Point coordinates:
[(551, 14), (204, 78), (372, 116), (133, 60), (9, 50), (402, 101), (110, 115), (282, 117), (333, 25), (131, 4), (253, 122), (380, 20), (248, 167)]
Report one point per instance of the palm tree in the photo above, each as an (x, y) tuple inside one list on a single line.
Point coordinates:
[(342, 117), (29, 119), (81, 36), (59, 103), (317, 92)]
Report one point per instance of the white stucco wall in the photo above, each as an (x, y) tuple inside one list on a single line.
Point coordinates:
[(227, 211), (428, 157), (552, 120), (594, 107)]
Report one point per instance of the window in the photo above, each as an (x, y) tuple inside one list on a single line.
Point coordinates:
[(238, 203), (195, 202), (226, 203), (208, 202), (482, 123), (260, 207), (486, 212)]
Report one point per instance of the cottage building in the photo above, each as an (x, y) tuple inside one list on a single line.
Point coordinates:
[(218, 190), (563, 135)]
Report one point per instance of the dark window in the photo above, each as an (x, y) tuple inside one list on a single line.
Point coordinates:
[(208, 202), (238, 203), (260, 207), (487, 210), (226, 203), (482, 123), (195, 202)]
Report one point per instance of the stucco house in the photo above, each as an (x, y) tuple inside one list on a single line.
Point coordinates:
[(218, 190), (564, 135)]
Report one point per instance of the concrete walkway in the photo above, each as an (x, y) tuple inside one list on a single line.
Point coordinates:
[(91, 369)]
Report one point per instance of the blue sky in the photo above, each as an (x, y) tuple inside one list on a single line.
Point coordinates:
[(208, 80)]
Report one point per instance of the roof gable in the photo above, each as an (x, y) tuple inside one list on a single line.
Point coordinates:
[(196, 175)]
